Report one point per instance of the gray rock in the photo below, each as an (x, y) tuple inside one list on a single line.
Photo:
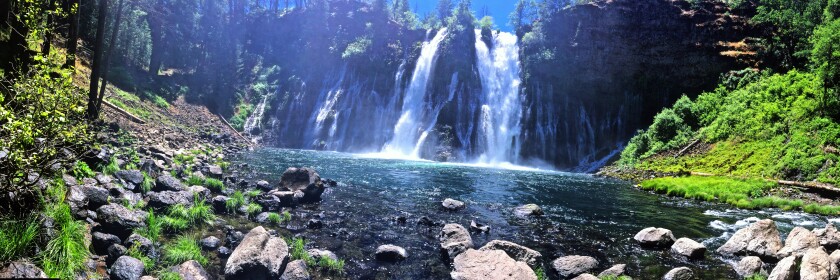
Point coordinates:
[(296, 270), (192, 270), (115, 252), (258, 256), (391, 253), (515, 251), (817, 265), (749, 266), (655, 237), (785, 269), (132, 179), (142, 243), (688, 248), (528, 210), (586, 276), (317, 254), (219, 203), (202, 192), (614, 271), (305, 180), (166, 199), (118, 220), (835, 257), (127, 268), (829, 237), (166, 182), (87, 197), (489, 264), (262, 218), (758, 239), (571, 266), (454, 239), (799, 241), (101, 242), (21, 270), (210, 243), (103, 179), (679, 273), (263, 185), (451, 204), (223, 252), (214, 171), (478, 227)]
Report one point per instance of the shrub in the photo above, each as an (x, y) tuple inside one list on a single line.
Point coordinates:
[(357, 48), (16, 238), (111, 168), (184, 248), (81, 170)]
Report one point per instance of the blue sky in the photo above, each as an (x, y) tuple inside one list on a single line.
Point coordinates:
[(498, 9)]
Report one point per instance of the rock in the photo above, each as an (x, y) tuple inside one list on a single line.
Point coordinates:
[(679, 273), (314, 224), (223, 252), (318, 254), (391, 253), (528, 210), (759, 239), (127, 268), (143, 244), (817, 265), (166, 182), (655, 237), (150, 166), (489, 264), (262, 218), (689, 248), (835, 257), (202, 192), (259, 256), (515, 251), (87, 197), (799, 241), (103, 179), (210, 243), (166, 199), (749, 266), (232, 238), (118, 220), (451, 204), (270, 203), (785, 269), (115, 252), (296, 270), (263, 185), (829, 237), (192, 270), (286, 198), (220, 203), (214, 171), (571, 266), (305, 180), (21, 270), (147, 277), (426, 221), (586, 276), (454, 239), (614, 271), (479, 228), (132, 179), (101, 242)]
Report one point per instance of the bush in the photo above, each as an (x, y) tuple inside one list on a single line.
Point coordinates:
[(184, 248), (358, 48)]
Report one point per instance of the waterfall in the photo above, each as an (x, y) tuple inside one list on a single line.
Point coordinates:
[(253, 125), (501, 105), (411, 128)]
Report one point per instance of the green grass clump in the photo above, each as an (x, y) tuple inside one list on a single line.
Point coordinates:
[(608, 277), (17, 238), (541, 274), (279, 219), (147, 184), (331, 265), (298, 251), (195, 181), (235, 201), (757, 276), (183, 159), (183, 249), (154, 226), (65, 255), (214, 184), (821, 209), (81, 170), (134, 252), (168, 275), (160, 102), (253, 209), (181, 217), (253, 193), (111, 168)]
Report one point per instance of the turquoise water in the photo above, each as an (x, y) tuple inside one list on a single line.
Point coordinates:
[(585, 215)]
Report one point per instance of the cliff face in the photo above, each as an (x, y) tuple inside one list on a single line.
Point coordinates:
[(596, 73)]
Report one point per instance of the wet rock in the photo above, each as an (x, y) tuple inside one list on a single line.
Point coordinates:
[(143, 244), (817, 265), (426, 221), (223, 252), (571, 266), (679, 273), (785, 269), (528, 210), (305, 180), (101, 242), (586, 276), (192, 270), (391, 253), (655, 237), (261, 218), (118, 220), (20, 269), (614, 271), (166, 182), (115, 252), (210, 243), (263, 185), (759, 239), (87, 197), (286, 198), (318, 254), (314, 224), (150, 166), (829, 237), (132, 179), (489, 264), (296, 270), (688, 248), (799, 241), (259, 256), (454, 240), (270, 203), (232, 238), (749, 266), (127, 268), (515, 251), (479, 228), (452, 205), (220, 203), (166, 199)]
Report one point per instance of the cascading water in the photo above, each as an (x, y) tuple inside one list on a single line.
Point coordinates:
[(409, 131), (253, 125), (501, 105)]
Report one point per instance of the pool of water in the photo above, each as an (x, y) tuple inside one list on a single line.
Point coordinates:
[(584, 214)]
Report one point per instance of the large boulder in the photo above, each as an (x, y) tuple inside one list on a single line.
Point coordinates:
[(166, 182), (258, 256), (21, 270), (489, 264), (528, 210), (192, 270), (785, 269), (118, 220), (586, 276), (829, 237), (305, 180), (454, 240), (835, 257), (515, 251), (679, 273), (452, 205), (296, 270), (799, 241), (758, 239), (817, 265), (750, 265), (688, 248), (655, 237), (391, 253), (127, 268), (166, 199), (571, 266)]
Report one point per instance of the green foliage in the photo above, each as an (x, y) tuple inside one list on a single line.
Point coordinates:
[(181, 217), (154, 225), (112, 167), (274, 218), (253, 209), (65, 255), (184, 248), (147, 184), (81, 170), (757, 276), (523, 13), (235, 201), (243, 111), (214, 184), (541, 274), (135, 252), (194, 181), (184, 158), (331, 265), (168, 275), (298, 251), (358, 48), (487, 23), (792, 24), (253, 193), (17, 238), (825, 57)]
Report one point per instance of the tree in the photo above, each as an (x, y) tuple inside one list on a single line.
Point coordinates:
[(380, 6), (522, 14), (444, 9), (826, 59), (96, 65), (790, 25), (71, 7), (111, 46)]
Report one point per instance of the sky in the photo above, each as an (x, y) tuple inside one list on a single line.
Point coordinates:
[(498, 9)]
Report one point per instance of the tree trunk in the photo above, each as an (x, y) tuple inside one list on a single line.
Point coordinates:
[(111, 46), (156, 32), (96, 66), (72, 33), (50, 8)]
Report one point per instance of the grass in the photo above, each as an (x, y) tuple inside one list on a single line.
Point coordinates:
[(134, 252), (298, 248), (331, 265), (279, 219), (253, 209), (160, 102), (64, 255), (540, 274), (195, 181), (253, 193), (147, 184), (608, 277), (183, 158), (183, 249), (17, 238), (235, 201), (757, 276), (214, 184), (81, 170), (168, 275), (154, 226), (111, 168), (181, 217)]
